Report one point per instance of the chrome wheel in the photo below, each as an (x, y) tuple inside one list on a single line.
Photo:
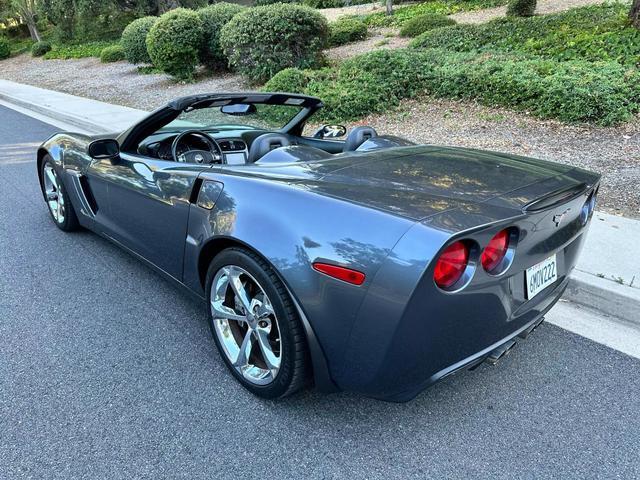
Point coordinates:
[(53, 193), (246, 325)]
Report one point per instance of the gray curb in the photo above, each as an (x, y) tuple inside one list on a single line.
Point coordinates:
[(606, 296), (82, 123)]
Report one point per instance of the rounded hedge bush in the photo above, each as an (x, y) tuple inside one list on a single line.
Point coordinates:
[(5, 50), (346, 30), (111, 54), (521, 8), (424, 23), (214, 17), (261, 41), (174, 42), (40, 48), (134, 40), (291, 80)]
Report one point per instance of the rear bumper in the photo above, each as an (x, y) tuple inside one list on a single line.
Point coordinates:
[(478, 357)]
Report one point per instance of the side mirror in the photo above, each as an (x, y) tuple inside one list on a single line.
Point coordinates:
[(104, 149), (330, 131)]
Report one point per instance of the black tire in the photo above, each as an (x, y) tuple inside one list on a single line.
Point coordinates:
[(70, 219), (294, 368)]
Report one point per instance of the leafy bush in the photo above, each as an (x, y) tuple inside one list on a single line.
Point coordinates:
[(573, 91), (521, 8), (111, 54), (261, 41), (440, 7), (291, 80), (346, 30), (82, 50), (5, 50), (424, 23), (214, 17), (134, 40), (174, 42), (590, 33), (38, 49)]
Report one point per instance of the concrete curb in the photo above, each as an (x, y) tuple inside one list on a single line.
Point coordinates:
[(604, 296), (84, 124)]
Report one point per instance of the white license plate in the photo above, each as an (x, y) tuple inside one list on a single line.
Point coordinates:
[(540, 276)]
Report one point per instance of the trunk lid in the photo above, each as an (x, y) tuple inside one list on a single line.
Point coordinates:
[(419, 181)]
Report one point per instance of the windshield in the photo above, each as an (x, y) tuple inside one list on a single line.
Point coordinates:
[(256, 116)]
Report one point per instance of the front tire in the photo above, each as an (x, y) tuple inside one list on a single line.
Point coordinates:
[(255, 325), (56, 197)]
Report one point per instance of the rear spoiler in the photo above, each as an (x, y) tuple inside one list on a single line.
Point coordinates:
[(555, 198)]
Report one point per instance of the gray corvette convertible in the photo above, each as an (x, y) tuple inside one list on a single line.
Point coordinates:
[(357, 261)]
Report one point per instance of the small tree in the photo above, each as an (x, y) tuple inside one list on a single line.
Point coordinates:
[(521, 8), (634, 13), (25, 10)]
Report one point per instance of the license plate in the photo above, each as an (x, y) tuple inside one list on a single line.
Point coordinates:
[(540, 276)]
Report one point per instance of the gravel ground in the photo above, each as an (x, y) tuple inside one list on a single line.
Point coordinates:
[(379, 38), (614, 152), (543, 7), (118, 83), (335, 13)]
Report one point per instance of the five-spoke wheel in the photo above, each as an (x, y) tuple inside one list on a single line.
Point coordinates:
[(255, 324), (56, 197)]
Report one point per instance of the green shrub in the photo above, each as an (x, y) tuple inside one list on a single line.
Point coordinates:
[(174, 42), (111, 54), (5, 49), (38, 49), (573, 91), (424, 23), (134, 40), (521, 8), (346, 30), (261, 41), (214, 17), (291, 80), (593, 33), (82, 50)]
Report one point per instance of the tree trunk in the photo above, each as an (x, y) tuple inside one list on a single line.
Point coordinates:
[(634, 14), (389, 7), (33, 31), (166, 5)]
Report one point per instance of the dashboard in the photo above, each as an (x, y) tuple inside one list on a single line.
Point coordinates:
[(235, 149)]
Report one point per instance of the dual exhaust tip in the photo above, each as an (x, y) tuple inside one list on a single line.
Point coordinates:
[(497, 354)]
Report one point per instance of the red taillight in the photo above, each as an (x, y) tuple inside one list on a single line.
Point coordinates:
[(451, 264), (495, 251), (345, 274)]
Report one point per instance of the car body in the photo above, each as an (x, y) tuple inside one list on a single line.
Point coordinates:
[(386, 210)]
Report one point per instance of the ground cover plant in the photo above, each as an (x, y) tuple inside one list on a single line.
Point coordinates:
[(346, 30), (572, 91), (595, 33), (402, 15)]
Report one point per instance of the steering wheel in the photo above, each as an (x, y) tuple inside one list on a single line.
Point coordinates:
[(213, 155)]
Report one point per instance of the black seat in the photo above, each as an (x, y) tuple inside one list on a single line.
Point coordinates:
[(265, 143), (357, 137)]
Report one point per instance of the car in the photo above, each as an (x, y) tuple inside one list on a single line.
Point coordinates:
[(362, 263)]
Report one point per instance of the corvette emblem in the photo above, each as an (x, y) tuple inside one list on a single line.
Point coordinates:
[(198, 158), (557, 219)]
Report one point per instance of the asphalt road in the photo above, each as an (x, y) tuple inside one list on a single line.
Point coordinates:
[(108, 371)]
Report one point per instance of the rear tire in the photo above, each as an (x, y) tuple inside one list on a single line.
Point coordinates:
[(265, 349), (56, 197)]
